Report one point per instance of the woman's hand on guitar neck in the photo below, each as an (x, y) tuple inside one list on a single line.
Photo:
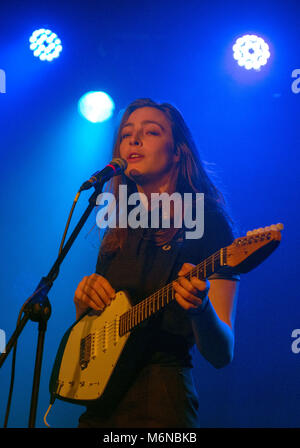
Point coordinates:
[(95, 292), (191, 294)]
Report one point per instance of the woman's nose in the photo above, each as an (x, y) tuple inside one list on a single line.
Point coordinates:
[(135, 140)]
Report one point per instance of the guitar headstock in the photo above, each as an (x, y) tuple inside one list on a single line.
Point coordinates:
[(247, 252)]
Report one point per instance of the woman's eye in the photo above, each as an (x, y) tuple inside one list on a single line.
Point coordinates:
[(149, 132), (152, 132)]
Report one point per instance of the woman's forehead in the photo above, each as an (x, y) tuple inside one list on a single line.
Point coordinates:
[(148, 114)]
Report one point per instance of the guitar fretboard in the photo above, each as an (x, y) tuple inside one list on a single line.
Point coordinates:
[(157, 301)]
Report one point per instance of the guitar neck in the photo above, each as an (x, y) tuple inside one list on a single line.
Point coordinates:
[(157, 301)]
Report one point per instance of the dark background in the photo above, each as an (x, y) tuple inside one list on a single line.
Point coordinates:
[(246, 125)]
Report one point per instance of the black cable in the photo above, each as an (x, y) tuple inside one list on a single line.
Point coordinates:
[(68, 222), (13, 372)]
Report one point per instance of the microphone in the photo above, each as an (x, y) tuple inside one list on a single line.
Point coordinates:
[(114, 168)]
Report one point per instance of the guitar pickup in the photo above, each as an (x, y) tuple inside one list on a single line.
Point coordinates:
[(116, 329), (105, 337)]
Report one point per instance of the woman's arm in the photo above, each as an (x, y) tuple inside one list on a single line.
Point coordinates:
[(213, 328), (212, 316)]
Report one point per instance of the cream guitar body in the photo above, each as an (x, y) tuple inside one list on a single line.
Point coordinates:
[(92, 351)]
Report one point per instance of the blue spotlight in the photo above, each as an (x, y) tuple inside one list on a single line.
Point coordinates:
[(251, 52), (96, 106), (45, 44)]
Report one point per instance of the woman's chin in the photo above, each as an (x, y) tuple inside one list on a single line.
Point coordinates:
[(136, 175)]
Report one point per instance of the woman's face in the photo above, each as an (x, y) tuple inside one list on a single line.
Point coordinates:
[(147, 145)]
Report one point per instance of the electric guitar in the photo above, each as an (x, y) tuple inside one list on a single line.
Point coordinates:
[(90, 353)]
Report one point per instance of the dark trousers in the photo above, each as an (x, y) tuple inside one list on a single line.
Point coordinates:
[(161, 397)]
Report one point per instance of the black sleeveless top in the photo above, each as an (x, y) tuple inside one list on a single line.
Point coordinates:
[(141, 268)]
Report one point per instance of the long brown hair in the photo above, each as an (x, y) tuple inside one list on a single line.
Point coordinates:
[(192, 176)]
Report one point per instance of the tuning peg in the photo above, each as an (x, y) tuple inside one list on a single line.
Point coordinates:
[(254, 232), (276, 227)]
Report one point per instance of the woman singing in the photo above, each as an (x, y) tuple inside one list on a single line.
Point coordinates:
[(159, 392)]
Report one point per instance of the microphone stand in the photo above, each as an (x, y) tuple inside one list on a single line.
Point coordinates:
[(38, 308)]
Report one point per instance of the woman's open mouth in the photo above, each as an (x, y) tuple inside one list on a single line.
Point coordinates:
[(135, 157)]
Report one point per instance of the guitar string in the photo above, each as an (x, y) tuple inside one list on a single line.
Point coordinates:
[(142, 306), (142, 310), (139, 309)]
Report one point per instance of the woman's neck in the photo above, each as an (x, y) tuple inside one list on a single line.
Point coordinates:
[(165, 185)]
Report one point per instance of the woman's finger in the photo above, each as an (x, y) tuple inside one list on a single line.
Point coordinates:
[(187, 295)]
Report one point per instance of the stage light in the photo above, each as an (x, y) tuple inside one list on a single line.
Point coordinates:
[(96, 106), (251, 52), (45, 44)]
